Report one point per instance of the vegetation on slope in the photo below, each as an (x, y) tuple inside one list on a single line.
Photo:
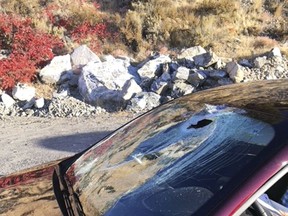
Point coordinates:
[(232, 28)]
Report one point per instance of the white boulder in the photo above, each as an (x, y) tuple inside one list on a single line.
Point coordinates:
[(180, 88), (259, 62), (7, 100), (275, 52), (206, 59), (149, 68), (144, 101), (101, 83), (39, 103), (130, 89), (52, 72), (235, 71), (23, 92), (191, 52), (83, 55), (182, 73)]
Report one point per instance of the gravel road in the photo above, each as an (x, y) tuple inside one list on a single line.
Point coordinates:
[(26, 142)]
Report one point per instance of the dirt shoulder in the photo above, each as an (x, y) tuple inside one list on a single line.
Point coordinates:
[(26, 142)]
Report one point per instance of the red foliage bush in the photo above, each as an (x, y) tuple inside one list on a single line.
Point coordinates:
[(92, 34), (29, 49), (90, 29), (85, 29), (16, 69)]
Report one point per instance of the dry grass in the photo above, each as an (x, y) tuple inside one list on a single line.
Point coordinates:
[(180, 24), (26, 8), (76, 11), (209, 23), (44, 90), (264, 42), (229, 27)]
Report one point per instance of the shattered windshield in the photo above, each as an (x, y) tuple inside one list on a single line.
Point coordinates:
[(169, 162)]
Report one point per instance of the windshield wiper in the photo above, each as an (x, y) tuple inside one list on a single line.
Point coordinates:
[(67, 199)]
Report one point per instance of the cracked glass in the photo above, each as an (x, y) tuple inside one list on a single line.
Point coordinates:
[(169, 162)]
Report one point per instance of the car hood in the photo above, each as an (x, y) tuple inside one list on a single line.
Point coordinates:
[(29, 192)]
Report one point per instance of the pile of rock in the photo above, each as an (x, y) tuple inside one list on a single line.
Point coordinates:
[(113, 84), (23, 102)]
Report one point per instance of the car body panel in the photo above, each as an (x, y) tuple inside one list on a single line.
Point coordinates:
[(29, 192)]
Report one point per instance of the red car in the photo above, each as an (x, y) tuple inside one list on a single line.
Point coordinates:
[(209, 153)]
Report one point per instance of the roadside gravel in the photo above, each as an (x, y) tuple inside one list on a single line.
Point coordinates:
[(26, 142)]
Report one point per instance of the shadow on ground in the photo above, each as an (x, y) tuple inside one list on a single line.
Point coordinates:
[(73, 143)]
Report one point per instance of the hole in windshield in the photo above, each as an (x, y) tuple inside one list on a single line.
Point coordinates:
[(200, 124)]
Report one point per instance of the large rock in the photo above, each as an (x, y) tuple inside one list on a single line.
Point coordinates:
[(235, 71), (144, 101), (130, 89), (259, 62), (101, 83), (29, 104), (182, 73), (196, 77), (112, 74), (39, 103), (180, 88), (23, 92), (216, 74), (275, 52), (162, 84), (82, 55), (7, 100), (149, 69), (69, 77), (52, 72), (191, 52), (105, 58), (206, 59), (159, 87)]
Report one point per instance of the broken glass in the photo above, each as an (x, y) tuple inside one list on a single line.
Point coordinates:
[(169, 162)]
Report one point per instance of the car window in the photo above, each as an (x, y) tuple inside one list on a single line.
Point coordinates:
[(169, 162)]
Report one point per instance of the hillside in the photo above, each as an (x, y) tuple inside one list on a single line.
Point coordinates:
[(231, 28)]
